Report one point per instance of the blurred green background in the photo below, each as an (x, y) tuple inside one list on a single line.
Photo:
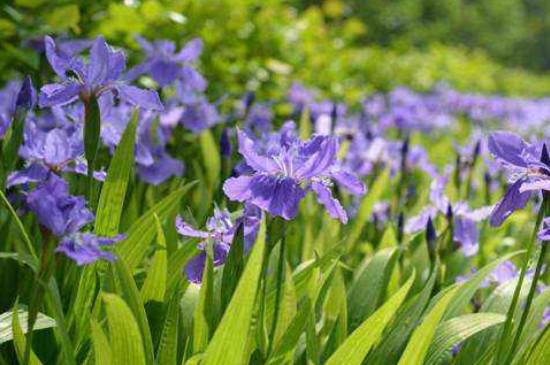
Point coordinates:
[(346, 49)]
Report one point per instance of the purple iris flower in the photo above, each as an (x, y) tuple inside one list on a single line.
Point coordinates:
[(165, 65), (85, 248), (59, 149), (199, 115), (64, 215), (220, 231), (57, 210), (529, 172), (466, 233), (154, 164), (299, 96), (80, 80), (282, 176)]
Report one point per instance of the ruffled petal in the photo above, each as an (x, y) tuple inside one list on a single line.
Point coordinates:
[(350, 182), (324, 196), (252, 158)]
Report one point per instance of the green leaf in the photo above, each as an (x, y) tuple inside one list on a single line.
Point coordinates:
[(19, 339), (202, 317), (167, 352), (288, 343), (366, 206), (305, 124), (369, 289), (111, 200), (85, 296), (210, 156), (233, 268), (359, 343), (140, 235), (102, 349), (456, 330), (6, 333), (131, 295), (418, 345), (124, 335), (154, 287), (63, 18), (228, 345), (29, 247), (405, 322), (540, 354), (468, 289)]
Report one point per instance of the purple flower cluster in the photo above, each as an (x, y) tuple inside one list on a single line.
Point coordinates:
[(64, 215)]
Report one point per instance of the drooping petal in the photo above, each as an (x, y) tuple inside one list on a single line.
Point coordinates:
[(324, 196), (513, 200), (86, 248), (185, 229), (195, 268), (32, 173), (147, 99), (350, 182), (507, 148), (58, 94), (238, 188)]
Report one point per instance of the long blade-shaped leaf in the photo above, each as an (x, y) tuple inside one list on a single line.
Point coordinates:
[(140, 235), (228, 346), (418, 345), (124, 334), (111, 201), (456, 330), (359, 343)]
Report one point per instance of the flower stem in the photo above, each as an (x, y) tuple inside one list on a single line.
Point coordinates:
[(508, 325)]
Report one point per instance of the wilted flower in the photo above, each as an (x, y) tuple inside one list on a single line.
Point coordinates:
[(83, 81), (281, 176)]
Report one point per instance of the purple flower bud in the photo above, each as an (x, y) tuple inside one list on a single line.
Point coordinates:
[(449, 213), (431, 238), (26, 98), (225, 143)]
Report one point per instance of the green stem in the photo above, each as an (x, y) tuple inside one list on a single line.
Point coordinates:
[(42, 277), (508, 325), (529, 301)]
